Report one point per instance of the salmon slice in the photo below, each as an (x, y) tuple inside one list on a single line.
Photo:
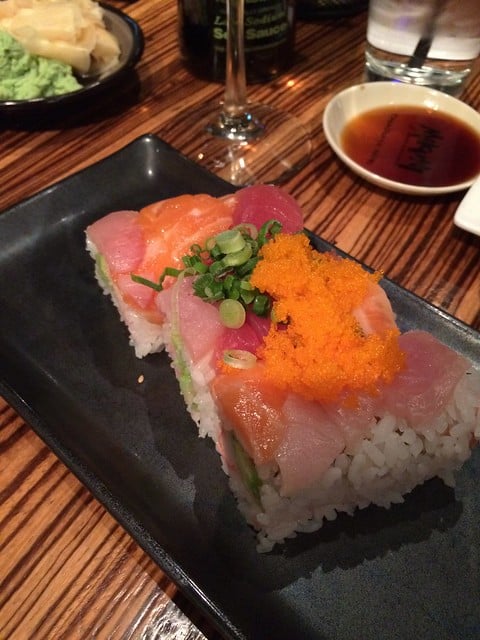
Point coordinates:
[(272, 425), (172, 226), (375, 314), (158, 236), (251, 407)]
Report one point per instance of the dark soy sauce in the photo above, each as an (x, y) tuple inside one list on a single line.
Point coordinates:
[(413, 145)]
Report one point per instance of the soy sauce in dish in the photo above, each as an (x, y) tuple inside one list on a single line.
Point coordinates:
[(413, 145)]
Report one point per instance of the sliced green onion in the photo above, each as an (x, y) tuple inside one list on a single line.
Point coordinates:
[(248, 228), (230, 241), (268, 230), (247, 296), (239, 358), (261, 305), (247, 268), (196, 249), (234, 291), (157, 286), (247, 292), (216, 252), (237, 258), (148, 283), (229, 282), (232, 313), (218, 268), (213, 294), (195, 263), (209, 244), (206, 287)]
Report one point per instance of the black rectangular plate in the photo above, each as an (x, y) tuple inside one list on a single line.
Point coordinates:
[(65, 365)]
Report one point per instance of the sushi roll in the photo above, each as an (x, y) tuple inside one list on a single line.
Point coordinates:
[(289, 359)]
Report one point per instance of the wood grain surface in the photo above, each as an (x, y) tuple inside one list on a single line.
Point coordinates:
[(67, 569)]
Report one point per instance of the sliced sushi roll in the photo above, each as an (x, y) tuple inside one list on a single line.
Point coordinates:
[(292, 362), (145, 242)]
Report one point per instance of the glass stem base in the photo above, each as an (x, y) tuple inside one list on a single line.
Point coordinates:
[(242, 127), (268, 145)]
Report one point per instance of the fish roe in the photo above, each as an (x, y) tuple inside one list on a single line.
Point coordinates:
[(316, 346)]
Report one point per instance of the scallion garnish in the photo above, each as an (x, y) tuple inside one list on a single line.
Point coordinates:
[(158, 286), (230, 241), (222, 270), (239, 358), (232, 313)]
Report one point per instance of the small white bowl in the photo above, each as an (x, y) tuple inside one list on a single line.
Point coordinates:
[(373, 95)]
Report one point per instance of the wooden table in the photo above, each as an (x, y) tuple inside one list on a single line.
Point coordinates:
[(67, 569)]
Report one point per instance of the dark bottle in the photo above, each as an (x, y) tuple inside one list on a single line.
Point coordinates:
[(311, 9), (269, 37)]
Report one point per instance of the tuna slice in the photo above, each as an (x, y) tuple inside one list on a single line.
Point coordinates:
[(260, 203), (424, 388)]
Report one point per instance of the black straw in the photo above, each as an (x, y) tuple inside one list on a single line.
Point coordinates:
[(422, 49)]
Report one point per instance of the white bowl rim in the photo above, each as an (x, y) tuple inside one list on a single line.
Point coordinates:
[(398, 93)]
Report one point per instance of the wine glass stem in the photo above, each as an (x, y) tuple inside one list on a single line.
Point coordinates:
[(235, 122), (235, 97)]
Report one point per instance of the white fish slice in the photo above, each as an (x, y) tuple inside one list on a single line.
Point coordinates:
[(467, 215)]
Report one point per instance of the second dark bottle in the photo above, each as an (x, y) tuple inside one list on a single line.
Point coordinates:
[(269, 37)]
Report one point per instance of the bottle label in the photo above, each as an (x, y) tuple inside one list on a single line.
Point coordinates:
[(266, 24)]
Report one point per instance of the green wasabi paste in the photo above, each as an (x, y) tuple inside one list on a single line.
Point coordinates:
[(24, 76)]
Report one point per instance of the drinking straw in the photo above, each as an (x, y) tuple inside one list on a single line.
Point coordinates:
[(422, 49)]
